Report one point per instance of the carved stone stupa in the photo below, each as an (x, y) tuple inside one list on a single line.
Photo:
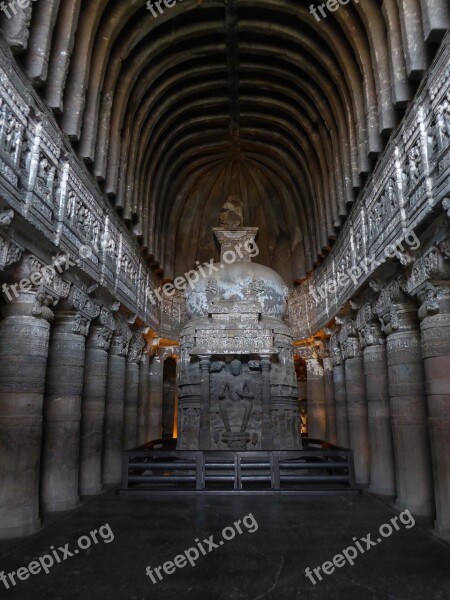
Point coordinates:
[(237, 383)]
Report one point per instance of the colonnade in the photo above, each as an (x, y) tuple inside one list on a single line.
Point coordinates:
[(388, 396), (76, 389)]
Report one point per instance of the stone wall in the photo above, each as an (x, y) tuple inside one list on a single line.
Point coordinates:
[(408, 185)]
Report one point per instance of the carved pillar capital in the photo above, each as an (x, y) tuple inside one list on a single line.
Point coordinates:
[(311, 349), (78, 309), (328, 364), (266, 362), (397, 312), (369, 327), (313, 367), (10, 251), (335, 348), (429, 280), (121, 338), (349, 340), (205, 361), (137, 344)]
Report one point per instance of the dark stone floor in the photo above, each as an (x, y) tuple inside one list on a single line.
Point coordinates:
[(293, 533)]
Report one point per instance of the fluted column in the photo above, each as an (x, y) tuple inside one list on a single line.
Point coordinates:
[(156, 396), (429, 280), (93, 403), (355, 386), (205, 435), (132, 390), (24, 341), (340, 392), (113, 442), (398, 317), (62, 403), (330, 402), (317, 420), (24, 337), (266, 422), (382, 465), (143, 403)]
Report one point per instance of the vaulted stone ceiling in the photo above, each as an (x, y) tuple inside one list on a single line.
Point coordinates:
[(254, 97)]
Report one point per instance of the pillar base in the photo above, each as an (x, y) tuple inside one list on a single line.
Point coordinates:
[(385, 493), (442, 530), (93, 491), (9, 533), (60, 506), (108, 481), (418, 510)]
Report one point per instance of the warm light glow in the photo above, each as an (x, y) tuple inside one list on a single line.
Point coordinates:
[(175, 416)]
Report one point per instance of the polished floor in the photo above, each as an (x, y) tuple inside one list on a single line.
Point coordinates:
[(267, 560)]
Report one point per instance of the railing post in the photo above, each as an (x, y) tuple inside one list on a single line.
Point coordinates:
[(275, 470), (125, 470), (351, 470), (200, 471)]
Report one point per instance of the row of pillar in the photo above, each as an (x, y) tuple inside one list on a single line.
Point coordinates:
[(75, 390), (384, 389)]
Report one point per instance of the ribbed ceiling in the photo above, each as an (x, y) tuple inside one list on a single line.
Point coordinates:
[(254, 97)]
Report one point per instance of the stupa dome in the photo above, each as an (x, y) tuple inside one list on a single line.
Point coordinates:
[(239, 281)]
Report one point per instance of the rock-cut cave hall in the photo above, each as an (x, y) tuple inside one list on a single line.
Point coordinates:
[(225, 299)]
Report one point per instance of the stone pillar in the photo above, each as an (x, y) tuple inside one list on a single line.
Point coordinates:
[(355, 386), (330, 403), (340, 392), (24, 342), (317, 419), (156, 396), (266, 422), (132, 390), (205, 435), (399, 322), (24, 339), (143, 402), (382, 465), (429, 280), (113, 442), (93, 403), (62, 404)]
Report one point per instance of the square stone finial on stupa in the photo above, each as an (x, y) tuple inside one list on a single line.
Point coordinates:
[(236, 242), (236, 245)]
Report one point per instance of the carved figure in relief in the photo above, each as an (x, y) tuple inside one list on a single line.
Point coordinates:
[(392, 197), (96, 234), (443, 119), (70, 208), (415, 160), (235, 388), (25, 159)]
